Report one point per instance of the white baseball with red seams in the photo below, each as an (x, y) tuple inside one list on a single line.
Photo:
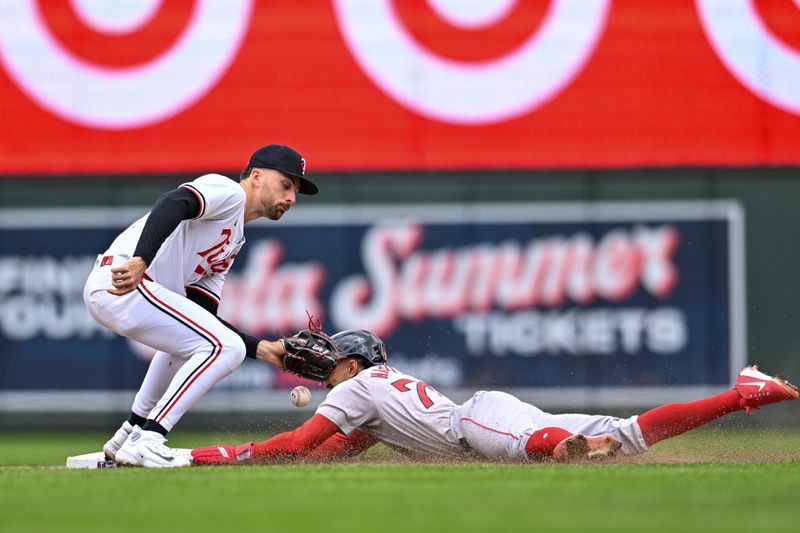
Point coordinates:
[(300, 396)]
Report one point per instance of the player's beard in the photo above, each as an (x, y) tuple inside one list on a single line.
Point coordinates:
[(272, 209)]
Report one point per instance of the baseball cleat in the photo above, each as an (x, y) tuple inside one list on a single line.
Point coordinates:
[(110, 448), (757, 389), (147, 449), (578, 448)]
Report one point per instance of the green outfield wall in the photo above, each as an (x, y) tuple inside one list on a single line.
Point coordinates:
[(768, 197)]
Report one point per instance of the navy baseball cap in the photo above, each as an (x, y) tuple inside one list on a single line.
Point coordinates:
[(283, 159)]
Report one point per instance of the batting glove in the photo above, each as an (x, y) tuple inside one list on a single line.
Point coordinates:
[(220, 455)]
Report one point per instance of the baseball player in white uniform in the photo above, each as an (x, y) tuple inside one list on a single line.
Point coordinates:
[(372, 402), (159, 284)]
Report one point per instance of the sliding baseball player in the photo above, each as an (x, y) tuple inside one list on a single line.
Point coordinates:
[(372, 402)]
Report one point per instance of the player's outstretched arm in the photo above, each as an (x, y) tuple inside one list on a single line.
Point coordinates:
[(306, 350), (302, 354), (271, 352), (285, 446), (340, 447), (297, 443)]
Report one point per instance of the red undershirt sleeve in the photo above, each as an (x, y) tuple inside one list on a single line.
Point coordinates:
[(341, 446), (297, 443)]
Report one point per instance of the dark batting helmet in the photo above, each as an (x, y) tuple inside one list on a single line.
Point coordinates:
[(362, 344)]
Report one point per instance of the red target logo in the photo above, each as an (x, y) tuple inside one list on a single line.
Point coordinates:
[(757, 42), (472, 62), (122, 64)]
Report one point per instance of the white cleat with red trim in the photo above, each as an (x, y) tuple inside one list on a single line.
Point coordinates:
[(758, 389), (110, 448), (147, 449)]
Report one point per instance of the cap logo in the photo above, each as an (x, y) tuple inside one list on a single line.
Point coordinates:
[(303, 166)]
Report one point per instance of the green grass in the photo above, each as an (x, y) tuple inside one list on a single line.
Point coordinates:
[(679, 485)]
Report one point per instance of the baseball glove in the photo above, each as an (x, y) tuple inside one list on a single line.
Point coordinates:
[(310, 354)]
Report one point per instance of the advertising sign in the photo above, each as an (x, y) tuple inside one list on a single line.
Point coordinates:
[(607, 296)]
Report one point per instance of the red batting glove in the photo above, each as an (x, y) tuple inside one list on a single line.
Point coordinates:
[(220, 455)]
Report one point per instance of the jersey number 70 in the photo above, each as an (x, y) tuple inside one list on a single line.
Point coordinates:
[(405, 384)]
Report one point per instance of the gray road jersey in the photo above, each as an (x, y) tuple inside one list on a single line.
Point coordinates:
[(395, 408)]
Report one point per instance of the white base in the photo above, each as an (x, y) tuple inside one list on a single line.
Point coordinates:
[(90, 461)]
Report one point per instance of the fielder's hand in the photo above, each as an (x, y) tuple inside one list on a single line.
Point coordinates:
[(127, 276), (271, 352), (222, 455)]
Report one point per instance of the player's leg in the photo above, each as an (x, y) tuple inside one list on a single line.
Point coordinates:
[(162, 369), (489, 422), (753, 389), (624, 430), (159, 375), (500, 426), (173, 324), (201, 372), (672, 419)]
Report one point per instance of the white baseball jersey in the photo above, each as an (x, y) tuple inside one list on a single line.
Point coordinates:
[(201, 250), (397, 409)]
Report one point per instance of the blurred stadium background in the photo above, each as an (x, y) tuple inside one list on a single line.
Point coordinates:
[(590, 203)]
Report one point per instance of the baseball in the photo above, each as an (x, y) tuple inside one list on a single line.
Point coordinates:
[(300, 396)]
